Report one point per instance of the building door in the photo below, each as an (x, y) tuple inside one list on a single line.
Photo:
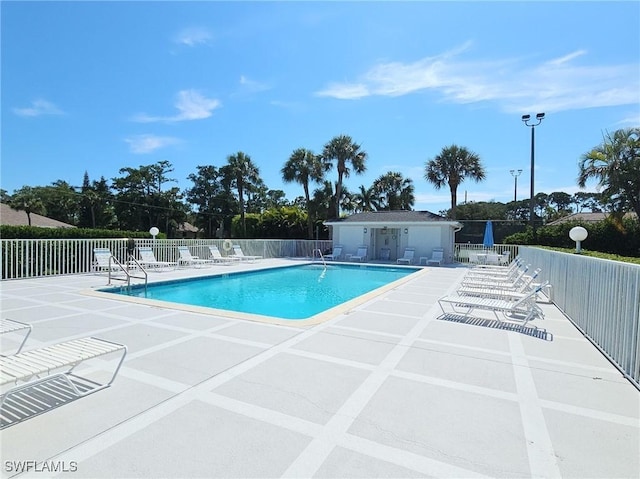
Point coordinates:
[(387, 238)]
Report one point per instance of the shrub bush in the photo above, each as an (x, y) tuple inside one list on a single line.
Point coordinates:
[(609, 236), (36, 232)]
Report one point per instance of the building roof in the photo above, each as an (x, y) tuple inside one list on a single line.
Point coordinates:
[(392, 217), (585, 218), (187, 227), (9, 216)]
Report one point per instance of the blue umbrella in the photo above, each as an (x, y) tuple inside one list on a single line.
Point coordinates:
[(487, 242)]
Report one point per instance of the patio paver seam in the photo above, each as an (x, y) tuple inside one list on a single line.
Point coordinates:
[(368, 331), (542, 456), (126, 428), (314, 455), (591, 413)]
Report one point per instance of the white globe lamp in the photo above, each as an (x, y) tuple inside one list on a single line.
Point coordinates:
[(578, 234), (154, 232)]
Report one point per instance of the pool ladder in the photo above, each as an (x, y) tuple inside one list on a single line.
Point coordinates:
[(125, 270), (313, 256)]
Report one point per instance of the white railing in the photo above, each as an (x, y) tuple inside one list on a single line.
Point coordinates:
[(25, 258), (462, 250), (601, 297)]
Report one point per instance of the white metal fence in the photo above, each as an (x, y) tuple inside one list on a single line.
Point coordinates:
[(23, 258), (601, 297), (462, 250)]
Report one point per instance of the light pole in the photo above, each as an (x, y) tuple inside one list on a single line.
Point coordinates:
[(515, 174), (526, 119)]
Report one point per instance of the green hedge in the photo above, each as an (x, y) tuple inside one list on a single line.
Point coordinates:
[(35, 232), (608, 236)]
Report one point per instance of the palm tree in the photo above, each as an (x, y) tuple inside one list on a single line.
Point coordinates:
[(616, 165), (302, 167), (347, 201), (396, 190), (367, 199), (452, 166), (345, 152), (241, 171), (323, 201), (26, 199)]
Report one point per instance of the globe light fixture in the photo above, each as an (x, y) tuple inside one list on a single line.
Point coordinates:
[(578, 234), (154, 232)]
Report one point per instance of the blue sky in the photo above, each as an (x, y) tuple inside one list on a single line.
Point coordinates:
[(98, 86)]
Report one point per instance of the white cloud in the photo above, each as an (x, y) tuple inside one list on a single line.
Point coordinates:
[(552, 85), (631, 121), (567, 58), (343, 91), (248, 87), (142, 144), (39, 107), (252, 85), (191, 105), (193, 36)]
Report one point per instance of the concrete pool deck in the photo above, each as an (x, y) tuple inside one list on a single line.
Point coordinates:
[(389, 388)]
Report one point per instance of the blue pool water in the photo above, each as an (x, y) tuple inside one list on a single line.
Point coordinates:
[(295, 292)]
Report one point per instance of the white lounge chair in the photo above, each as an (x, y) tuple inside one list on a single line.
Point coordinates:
[(409, 253), (512, 278), (521, 286), (493, 259), (437, 257), (335, 254), (523, 310), (39, 380), (9, 326), (503, 266), (504, 258), (503, 274), (105, 262), (148, 260), (361, 254), (187, 259), (237, 252), (217, 257)]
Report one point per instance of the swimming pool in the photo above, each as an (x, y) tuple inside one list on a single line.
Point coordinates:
[(293, 292)]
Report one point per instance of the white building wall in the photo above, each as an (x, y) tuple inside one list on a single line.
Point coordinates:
[(350, 237), (424, 239)]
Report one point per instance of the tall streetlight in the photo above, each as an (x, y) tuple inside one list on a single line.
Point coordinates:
[(526, 119), (515, 174)]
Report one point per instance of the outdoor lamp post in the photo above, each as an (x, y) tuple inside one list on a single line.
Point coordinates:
[(154, 232), (526, 119), (515, 174), (578, 234)]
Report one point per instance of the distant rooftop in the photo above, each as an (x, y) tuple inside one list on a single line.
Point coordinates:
[(586, 218), (9, 216)]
